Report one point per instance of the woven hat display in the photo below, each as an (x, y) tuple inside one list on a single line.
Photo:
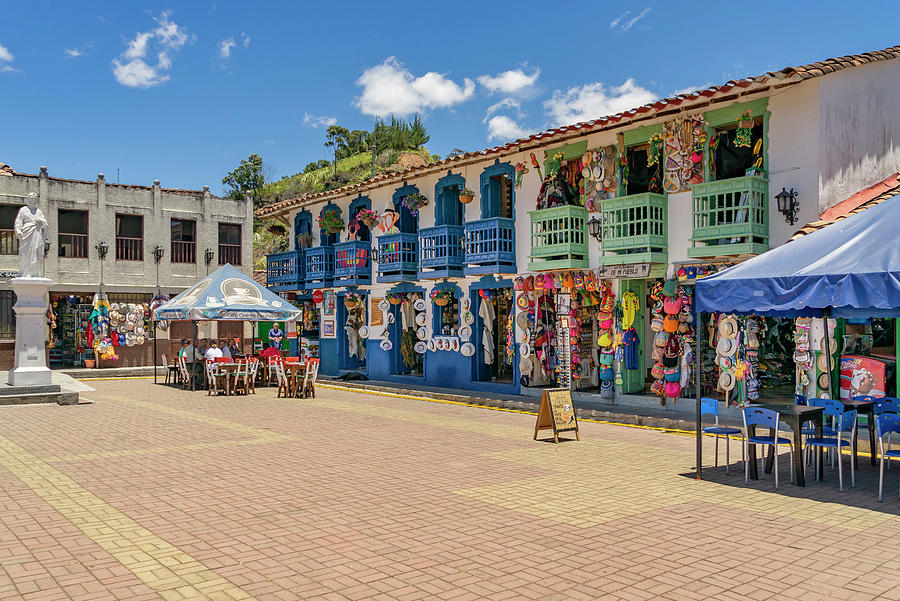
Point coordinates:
[(832, 345), (364, 331), (728, 327), (420, 347), (726, 380), (465, 333), (467, 349), (419, 305), (726, 346), (822, 362), (386, 345), (422, 333), (822, 382)]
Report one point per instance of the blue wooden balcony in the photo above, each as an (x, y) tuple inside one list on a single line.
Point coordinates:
[(490, 246), (441, 251), (353, 263), (398, 257), (285, 271), (319, 267)]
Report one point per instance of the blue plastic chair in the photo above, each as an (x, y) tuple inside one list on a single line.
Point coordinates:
[(843, 421), (885, 404), (710, 406), (766, 418), (827, 429), (886, 424)]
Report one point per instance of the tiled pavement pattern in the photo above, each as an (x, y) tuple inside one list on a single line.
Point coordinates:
[(156, 493)]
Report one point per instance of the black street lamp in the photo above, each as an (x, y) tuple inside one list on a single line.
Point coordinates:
[(595, 228), (158, 252), (788, 205), (102, 250), (209, 255)]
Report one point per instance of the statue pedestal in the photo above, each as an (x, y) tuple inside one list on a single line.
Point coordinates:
[(31, 324)]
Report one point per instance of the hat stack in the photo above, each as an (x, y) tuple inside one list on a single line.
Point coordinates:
[(671, 320), (726, 348)]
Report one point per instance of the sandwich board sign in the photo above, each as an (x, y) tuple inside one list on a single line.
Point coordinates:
[(557, 413)]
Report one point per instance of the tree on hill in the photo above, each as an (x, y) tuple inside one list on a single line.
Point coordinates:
[(335, 140), (248, 177), (417, 136)]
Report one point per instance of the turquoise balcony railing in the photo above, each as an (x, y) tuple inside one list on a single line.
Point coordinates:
[(634, 229), (285, 271), (319, 267), (559, 239), (490, 246), (398, 257), (353, 263), (441, 251), (731, 217)]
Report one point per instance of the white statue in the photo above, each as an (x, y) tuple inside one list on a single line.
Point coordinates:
[(31, 229)]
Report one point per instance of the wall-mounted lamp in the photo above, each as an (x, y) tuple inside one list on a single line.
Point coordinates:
[(209, 255), (158, 252), (374, 254), (102, 249), (788, 205), (46, 247), (595, 228)]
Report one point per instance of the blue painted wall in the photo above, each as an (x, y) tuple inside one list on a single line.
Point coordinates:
[(328, 364)]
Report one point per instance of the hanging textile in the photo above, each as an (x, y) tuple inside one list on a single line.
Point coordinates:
[(486, 312)]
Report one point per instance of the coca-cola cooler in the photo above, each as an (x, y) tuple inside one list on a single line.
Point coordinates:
[(863, 375)]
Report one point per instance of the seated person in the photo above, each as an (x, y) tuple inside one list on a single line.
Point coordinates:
[(226, 350), (213, 352), (269, 351)]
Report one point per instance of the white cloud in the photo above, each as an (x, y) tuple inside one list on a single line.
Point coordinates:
[(6, 57), (245, 40), (514, 81), (130, 69), (314, 122), (623, 24), (595, 100), (503, 127), (225, 47), (506, 103), (73, 52), (391, 89)]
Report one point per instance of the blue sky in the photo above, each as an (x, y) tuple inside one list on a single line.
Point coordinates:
[(182, 91)]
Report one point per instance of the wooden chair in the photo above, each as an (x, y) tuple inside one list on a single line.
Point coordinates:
[(270, 369), (252, 370), (309, 377), (283, 387), (215, 379), (242, 377), (185, 373)]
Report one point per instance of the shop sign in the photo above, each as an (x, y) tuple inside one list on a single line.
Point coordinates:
[(318, 297), (377, 317), (557, 413), (9, 274), (633, 270)]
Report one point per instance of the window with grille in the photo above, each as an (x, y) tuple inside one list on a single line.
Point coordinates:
[(73, 234), (9, 244), (7, 315), (229, 243), (184, 241), (129, 238)]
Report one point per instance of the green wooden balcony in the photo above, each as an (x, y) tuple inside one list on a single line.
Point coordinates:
[(731, 217), (559, 239), (635, 229)]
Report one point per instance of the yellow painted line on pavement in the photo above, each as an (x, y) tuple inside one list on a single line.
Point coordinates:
[(172, 573)]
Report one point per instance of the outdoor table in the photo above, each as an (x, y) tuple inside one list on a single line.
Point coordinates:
[(793, 416), (294, 370), (229, 369), (867, 407)]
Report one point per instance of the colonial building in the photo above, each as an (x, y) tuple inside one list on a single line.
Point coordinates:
[(676, 188), (135, 241)]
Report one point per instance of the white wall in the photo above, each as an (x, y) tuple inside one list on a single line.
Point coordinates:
[(859, 129)]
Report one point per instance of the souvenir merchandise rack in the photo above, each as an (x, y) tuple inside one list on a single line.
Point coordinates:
[(673, 336)]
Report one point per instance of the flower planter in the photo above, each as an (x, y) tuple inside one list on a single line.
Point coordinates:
[(746, 124), (442, 302), (350, 304), (466, 198), (395, 300)]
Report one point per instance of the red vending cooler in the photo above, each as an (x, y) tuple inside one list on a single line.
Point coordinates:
[(862, 375)]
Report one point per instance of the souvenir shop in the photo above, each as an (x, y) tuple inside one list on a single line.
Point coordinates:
[(100, 330), (351, 330), (397, 333)]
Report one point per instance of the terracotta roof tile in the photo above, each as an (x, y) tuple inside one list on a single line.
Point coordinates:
[(699, 98)]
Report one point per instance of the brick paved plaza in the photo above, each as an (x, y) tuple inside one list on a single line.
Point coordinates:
[(152, 492)]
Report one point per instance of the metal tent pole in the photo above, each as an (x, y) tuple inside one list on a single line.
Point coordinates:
[(155, 354), (698, 363)]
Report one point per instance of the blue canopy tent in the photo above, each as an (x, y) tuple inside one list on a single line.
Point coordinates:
[(850, 268), (227, 294)]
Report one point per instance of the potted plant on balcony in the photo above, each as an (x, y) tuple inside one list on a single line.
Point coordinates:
[(353, 299), (331, 222), (368, 218), (395, 298), (305, 240), (441, 296), (466, 196), (414, 202)]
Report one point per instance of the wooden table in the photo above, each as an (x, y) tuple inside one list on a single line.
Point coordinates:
[(867, 407), (794, 416), (293, 371)]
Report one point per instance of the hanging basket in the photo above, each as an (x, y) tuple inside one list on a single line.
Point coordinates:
[(350, 304), (395, 300), (466, 196), (746, 124), (442, 302)]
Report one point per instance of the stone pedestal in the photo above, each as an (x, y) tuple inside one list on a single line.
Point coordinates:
[(30, 367)]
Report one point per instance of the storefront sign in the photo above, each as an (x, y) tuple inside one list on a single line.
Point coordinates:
[(634, 270), (9, 274), (557, 413), (328, 303), (377, 315), (318, 296)]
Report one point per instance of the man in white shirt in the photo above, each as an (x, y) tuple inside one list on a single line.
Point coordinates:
[(226, 352), (213, 352)]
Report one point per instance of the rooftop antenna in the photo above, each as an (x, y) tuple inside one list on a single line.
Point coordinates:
[(117, 175)]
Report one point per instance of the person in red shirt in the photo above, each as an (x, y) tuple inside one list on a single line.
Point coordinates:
[(269, 351)]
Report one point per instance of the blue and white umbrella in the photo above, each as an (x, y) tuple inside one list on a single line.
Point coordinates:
[(227, 294)]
